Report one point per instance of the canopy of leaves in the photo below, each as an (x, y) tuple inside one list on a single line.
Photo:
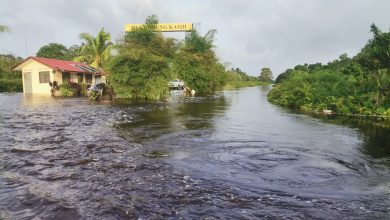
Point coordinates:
[(147, 61), (54, 51), (266, 75), (141, 68), (197, 64)]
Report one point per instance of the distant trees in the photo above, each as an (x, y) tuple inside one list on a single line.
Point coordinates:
[(358, 85), (236, 78), (96, 51), (54, 51), (266, 75)]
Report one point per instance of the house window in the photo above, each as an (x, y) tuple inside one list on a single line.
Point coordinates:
[(65, 77), (44, 77), (88, 78), (80, 78)]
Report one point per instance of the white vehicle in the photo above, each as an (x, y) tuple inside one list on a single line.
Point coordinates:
[(176, 84)]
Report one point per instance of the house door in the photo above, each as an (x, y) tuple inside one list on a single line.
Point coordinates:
[(27, 83)]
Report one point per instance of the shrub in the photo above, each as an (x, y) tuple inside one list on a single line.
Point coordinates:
[(70, 89)]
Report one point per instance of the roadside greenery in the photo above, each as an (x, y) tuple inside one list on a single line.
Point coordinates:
[(197, 64), (146, 61), (10, 81), (141, 68), (358, 85)]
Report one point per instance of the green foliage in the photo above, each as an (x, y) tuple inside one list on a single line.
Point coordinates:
[(147, 61), (141, 68), (235, 78), (198, 66), (358, 85), (10, 81), (94, 95), (66, 90), (266, 75), (96, 51), (83, 89), (54, 51)]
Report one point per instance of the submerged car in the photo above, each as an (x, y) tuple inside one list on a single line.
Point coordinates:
[(97, 88), (176, 84)]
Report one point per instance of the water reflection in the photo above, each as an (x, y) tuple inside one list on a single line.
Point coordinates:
[(141, 122), (375, 133)]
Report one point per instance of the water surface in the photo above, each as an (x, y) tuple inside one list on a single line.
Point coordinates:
[(232, 155)]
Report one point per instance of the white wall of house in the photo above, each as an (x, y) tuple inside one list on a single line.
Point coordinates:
[(33, 67)]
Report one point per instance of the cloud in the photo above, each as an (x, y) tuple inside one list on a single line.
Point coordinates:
[(251, 34)]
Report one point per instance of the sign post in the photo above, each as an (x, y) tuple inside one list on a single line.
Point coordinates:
[(162, 27)]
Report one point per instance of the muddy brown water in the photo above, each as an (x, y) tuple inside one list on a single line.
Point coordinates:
[(228, 156)]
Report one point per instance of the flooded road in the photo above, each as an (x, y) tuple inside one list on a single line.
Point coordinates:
[(229, 156)]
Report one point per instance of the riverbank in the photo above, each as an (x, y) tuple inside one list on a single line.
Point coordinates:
[(349, 86)]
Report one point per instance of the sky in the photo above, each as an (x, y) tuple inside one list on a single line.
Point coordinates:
[(278, 34)]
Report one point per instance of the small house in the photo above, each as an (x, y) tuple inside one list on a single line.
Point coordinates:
[(38, 73)]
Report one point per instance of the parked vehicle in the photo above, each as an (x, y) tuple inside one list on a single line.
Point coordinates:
[(97, 88), (176, 84)]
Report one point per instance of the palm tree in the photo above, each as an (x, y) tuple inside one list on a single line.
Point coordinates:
[(95, 51), (3, 29)]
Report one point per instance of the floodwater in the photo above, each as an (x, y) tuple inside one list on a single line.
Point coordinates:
[(229, 156)]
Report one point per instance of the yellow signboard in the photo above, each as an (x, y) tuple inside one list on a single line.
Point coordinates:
[(168, 27)]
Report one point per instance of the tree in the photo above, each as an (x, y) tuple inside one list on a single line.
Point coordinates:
[(197, 64), (54, 51), (141, 70), (73, 51), (266, 75), (95, 50)]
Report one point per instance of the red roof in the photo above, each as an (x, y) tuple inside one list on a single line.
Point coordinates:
[(65, 66)]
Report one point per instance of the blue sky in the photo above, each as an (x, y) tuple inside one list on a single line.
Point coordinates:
[(251, 34)]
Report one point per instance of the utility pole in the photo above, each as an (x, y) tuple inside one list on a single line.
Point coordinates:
[(25, 43)]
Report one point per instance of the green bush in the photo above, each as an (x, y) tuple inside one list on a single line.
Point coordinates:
[(358, 85), (11, 82), (67, 90), (83, 89)]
